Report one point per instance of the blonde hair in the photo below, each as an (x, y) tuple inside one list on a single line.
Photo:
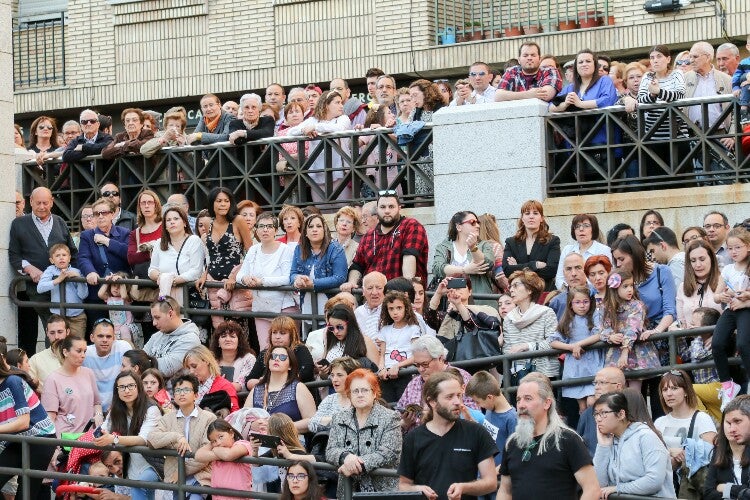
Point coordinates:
[(202, 353)]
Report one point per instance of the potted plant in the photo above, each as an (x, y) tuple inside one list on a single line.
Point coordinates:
[(474, 31), (589, 19), (567, 24)]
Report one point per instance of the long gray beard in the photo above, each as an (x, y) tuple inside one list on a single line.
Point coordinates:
[(524, 431)]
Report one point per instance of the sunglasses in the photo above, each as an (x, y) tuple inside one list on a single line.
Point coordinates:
[(473, 222), (279, 357), (683, 62), (102, 212), (104, 320), (387, 192), (110, 194), (89, 122), (338, 328), (44, 127), (479, 73)]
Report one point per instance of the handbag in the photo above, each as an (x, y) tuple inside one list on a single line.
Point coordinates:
[(479, 342), (691, 486)]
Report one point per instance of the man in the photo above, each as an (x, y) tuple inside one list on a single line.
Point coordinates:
[(20, 204), (180, 200), (369, 217), (353, 107), (716, 225), (568, 69), (372, 76), (45, 362), (28, 320), (609, 379), (727, 58), (214, 127), (104, 358), (385, 89), (297, 95), (528, 80), (31, 236), (122, 218), (90, 142), (574, 276), (544, 458), (480, 77), (174, 337), (276, 97), (397, 246), (70, 130), (231, 107), (663, 247), (368, 314), (443, 457), (184, 430)]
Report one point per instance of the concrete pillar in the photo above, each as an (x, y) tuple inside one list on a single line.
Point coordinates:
[(489, 158)]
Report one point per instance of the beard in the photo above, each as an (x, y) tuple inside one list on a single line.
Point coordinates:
[(446, 413), (389, 222), (524, 431)]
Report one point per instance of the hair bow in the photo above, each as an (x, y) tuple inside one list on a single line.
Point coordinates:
[(614, 281)]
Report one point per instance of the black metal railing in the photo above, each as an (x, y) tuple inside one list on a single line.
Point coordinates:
[(598, 149), (38, 52), (250, 171)]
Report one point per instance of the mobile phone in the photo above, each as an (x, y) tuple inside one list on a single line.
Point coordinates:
[(457, 283), (98, 432), (266, 440), (324, 362)]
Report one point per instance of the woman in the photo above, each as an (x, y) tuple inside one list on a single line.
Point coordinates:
[(533, 246), (419, 295), (319, 264), (130, 141), (227, 241), (339, 400), (729, 470), (327, 118), (344, 338), (290, 220), (462, 253), (584, 229), (529, 325), (138, 361), (489, 232), (132, 416), (316, 339), (230, 347), (249, 210), (650, 221), (629, 98), (347, 223), (427, 99), (445, 89), (280, 390), (619, 230), (702, 276), (662, 85), (404, 105), (282, 333), (597, 269), (301, 483), (146, 235), (201, 363), (251, 126), (364, 438), (43, 139), (268, 265), (682, 61), (693, 233), (630, 458), (683, 420), (87, 221), (23, 415), (179, 257), (617, 74), (70, 395)]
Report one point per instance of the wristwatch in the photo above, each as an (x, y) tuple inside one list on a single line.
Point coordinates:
[(116, 440)]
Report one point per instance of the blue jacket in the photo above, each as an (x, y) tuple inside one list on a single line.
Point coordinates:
[(90, 260), (331, 269)]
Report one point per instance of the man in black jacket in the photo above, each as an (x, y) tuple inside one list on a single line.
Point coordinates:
[(90, 142)]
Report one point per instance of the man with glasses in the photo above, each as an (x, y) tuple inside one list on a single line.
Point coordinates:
[(480, 77), (104, 358), (385, 89), (609, 379), (122, 218), (70, 130), (174, 337), (716, 225), (90, 142), (662, 245), (528, 80), (355, 109)]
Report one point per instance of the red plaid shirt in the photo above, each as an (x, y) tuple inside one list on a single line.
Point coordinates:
[(514, 81), (384, 252)]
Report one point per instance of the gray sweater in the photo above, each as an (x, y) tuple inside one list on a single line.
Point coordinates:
[(170, 348)]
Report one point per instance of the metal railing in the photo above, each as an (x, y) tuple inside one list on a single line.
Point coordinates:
[(598, 149), (249, 171), (473, 20), (38, 52)]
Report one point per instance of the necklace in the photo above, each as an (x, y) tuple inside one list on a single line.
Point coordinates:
[(269, 402)]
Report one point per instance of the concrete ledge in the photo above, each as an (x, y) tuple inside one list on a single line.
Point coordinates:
[(491, 112)]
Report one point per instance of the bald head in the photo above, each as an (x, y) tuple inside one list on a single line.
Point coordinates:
[(608, 379), (373, 278), (41, 202), (573, 270)]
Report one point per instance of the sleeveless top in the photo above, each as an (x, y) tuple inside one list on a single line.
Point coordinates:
[(223, 255), (283, 401)]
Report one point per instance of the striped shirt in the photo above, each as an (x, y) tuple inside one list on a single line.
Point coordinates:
[(16, 399), (671, 89)]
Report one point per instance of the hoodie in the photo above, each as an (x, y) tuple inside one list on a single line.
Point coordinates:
[(170, 348), (637, 463)]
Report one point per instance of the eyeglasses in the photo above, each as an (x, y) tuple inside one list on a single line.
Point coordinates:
[(265, 226), (44, 127), (473, 222), (110, 194), (477, 73), (147, 203), (296, 477), (682, 62), (604, 67), (712, 226), (87, 216), (584, 225), (129, 387), (279, 357), (338, 328), (425, 365), (526, 456), (183, 390), (89, 122), (441, 80), (603, 413), (676, 373), (363, 391), (104, 320), (102, 212)]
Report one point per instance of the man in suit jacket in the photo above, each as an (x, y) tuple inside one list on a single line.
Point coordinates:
[(90, 142), (31, 236)]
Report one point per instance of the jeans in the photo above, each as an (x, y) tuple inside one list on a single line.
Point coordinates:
[(142, 493), (191, 481), (745, 94)]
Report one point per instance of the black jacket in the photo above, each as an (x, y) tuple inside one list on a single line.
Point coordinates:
[(723, 475), (264, 129), (548, 253), (95, 148), (26, 242)]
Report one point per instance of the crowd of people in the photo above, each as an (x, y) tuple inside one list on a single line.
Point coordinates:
[(224, 387)]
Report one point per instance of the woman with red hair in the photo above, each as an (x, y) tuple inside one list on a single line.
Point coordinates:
[(597, 268), (366, 437)]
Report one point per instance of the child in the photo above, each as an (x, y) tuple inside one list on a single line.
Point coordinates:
[(741, 85), (574, 334), (734, 294), (705, 380), (59, 256), (97, 469), (225, 446), (280, 424), (500, 417), (619, 321), (116, 294), (398, 327)]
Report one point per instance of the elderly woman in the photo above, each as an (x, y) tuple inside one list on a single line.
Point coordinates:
[(231, 349), (252, 126), (201, 362), (147, 234), (346, 221), (462, 253), (629, 98), (403, 105), (584, 229), (427, 99), (533, 246), (173, 134), (130, 141), (43, 139), (365, 438)]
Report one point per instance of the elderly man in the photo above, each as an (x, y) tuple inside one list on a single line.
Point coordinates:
[(574, 276), (528, 80), (122, 217), (369, 217), (251, 126), (727, 58), (90, 142), (355, 109), (368, 314), (544, 458), (297, 95), (480, 90), (385, 89), (70, 130), (609, 379), (214, 127), (231, 107), (31, 236)]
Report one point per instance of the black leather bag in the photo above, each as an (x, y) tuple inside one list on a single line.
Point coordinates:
[(479, 342)]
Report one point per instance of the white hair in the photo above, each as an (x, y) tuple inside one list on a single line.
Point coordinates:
[(251, 96), (430, 345), (730, 47)]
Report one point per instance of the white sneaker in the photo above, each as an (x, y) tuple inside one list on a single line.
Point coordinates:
[(725, 396)]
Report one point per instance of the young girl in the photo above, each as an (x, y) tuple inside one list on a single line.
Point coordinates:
[(280, 424), (225, 446), (734, 294), (117, 294), (398, 327), (619, 321), (153, 385), (575, 333)]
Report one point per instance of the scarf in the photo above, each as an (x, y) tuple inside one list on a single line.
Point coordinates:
[(522, 320), (212, 124)]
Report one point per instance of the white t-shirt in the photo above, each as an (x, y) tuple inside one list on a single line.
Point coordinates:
[(397, 342), (736, 276), (106, 368), (674, 430)]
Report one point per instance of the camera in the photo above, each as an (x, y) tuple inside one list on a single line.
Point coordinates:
[(457, 283)]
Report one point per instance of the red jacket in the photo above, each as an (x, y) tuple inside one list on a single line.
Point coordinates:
[(222, 384)]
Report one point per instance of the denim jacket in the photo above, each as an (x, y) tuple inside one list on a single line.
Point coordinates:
[(330, 269)]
